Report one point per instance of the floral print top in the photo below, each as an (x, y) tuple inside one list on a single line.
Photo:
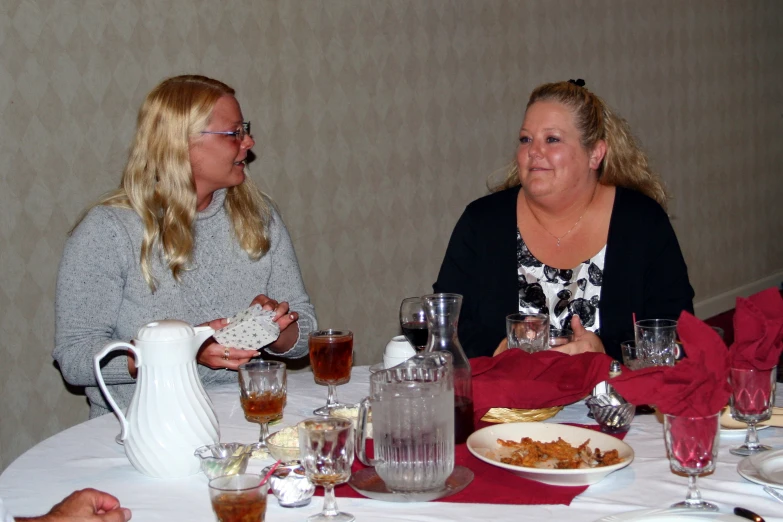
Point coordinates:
[(561, 294)]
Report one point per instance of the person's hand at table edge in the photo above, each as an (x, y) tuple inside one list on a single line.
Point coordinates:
[(86, 505), (502, 347)]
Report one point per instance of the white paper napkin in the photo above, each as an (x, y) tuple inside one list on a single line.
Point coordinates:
[(250, 329)]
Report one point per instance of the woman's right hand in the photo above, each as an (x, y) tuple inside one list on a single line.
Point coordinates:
[(502, 347), (214, 355)]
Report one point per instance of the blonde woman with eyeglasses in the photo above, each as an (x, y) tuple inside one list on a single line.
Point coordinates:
[(187, 235)]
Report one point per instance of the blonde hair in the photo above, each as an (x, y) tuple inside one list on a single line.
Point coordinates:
[(158, 183), (625, 163)]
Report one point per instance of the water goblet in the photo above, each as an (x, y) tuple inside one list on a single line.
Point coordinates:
[(239, 498), (692, 444), (413, 321), (326, 449), (262, 393), (331, 357), (752, 398)]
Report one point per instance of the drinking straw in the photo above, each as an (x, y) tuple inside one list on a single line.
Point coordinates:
[(271, 470), (634, 317)]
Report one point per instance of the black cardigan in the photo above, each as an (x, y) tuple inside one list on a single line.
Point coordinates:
[(644, 271)]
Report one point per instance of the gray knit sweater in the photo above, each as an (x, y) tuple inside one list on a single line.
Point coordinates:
[(102, 296)]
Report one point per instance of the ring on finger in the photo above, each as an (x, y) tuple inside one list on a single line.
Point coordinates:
[(225, 354)]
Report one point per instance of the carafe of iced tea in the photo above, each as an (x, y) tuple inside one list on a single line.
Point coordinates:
[(170, 414), (412, 423), (442, 319)]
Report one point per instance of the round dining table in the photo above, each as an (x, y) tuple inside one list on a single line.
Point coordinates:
[(87, 455)]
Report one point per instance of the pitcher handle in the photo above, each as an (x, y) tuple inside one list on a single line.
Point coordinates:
[(102, 385), (361, 433)]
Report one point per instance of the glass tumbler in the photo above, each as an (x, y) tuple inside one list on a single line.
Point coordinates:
[(529, 332)]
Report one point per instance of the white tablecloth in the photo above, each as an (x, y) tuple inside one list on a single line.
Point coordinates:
[(87, 456)]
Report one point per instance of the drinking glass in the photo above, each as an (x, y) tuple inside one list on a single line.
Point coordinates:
[(559, 337), (752, 398), (262, 392), (692, 444), (326, 449), (631, 357), (239, 498), (529, 332), (331, 357), (413, 321), (656, 341)]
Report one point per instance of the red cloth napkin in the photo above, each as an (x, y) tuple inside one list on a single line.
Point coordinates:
[(517, 379), (697, 386), (758, 331), (490, 485)]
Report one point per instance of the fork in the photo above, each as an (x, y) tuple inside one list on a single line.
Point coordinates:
[(777, 495)]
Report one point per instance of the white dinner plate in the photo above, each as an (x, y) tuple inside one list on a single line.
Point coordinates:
[(765, 468), (670, 515), (483, 443)]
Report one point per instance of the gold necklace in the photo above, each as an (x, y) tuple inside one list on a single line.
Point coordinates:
[(572, 227)]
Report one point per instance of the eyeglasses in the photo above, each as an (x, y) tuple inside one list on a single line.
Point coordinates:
[(238, 134)]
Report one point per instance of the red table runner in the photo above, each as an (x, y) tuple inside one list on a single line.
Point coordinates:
[(491, 484)]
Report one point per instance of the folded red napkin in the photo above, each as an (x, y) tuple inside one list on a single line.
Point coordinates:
[(697, 386), (517, 379), (758, 331)]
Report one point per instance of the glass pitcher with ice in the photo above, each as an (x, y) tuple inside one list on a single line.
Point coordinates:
[(412, 423)]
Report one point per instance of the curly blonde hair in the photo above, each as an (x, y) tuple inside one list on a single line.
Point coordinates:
[(625, 163), (158, 183)]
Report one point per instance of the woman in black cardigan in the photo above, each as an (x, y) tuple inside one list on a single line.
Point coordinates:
[(594, 246)]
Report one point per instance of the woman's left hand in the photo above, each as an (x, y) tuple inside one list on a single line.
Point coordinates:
[(584, 340), (287, 321)]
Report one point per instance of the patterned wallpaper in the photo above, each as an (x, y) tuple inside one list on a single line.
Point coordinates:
[(376, 121)]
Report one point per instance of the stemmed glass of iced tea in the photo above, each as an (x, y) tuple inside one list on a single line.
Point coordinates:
[(331, 357), (326, 447), (262, 392), (413, 321)]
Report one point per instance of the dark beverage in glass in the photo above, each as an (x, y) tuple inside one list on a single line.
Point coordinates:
[(331, 358), (239, 498), (242, 507), (413, 321), (416, 333), (463, 419)]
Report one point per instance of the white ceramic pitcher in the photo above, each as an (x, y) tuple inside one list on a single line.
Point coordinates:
[(170, 414)]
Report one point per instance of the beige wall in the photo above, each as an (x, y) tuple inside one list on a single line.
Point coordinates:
[(376, 121)]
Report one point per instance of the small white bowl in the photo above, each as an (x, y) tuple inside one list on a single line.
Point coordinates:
[(390, 362), (399, 347)]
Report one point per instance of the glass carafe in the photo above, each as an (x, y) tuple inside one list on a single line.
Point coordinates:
[(442, 319)]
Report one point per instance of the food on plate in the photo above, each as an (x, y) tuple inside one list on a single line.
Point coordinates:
[(558, 454)]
